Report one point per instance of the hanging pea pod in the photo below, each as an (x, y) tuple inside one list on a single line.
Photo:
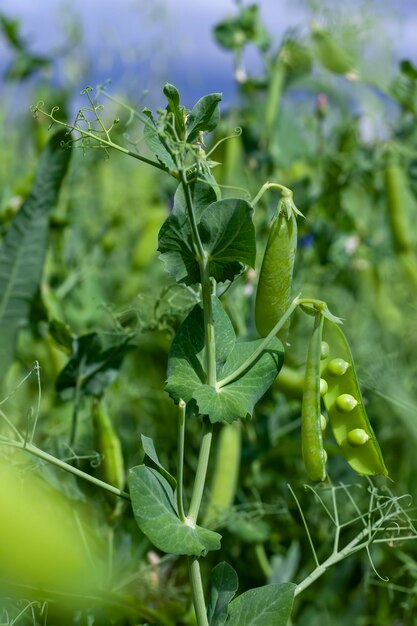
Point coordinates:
[(107, 443), (314, 455), (329, 53), (343, 401), (275, 278), (226, 473), (399, 202)]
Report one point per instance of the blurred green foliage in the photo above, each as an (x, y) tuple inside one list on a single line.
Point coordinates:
[(303, 124)]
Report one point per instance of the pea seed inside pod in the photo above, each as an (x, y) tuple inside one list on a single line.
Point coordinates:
[(337, 367), (346, 403), (324, 387), (324, 350), (357, 437), (323, 422)]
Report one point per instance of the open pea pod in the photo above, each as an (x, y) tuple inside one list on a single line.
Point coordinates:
[(344, 405)]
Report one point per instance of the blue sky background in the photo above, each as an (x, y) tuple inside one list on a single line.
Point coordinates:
[(141, 44)]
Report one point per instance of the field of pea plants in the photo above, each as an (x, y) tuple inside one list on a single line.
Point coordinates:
[(208, 340)]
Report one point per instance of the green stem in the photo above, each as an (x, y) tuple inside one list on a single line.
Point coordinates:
[(107, 143), (210, 348), (351, 547), (65, 466), (251, 360), (180, 462), (263, 560), (201, 473), (203, 262), (198, 593), (285, 191), (199, 250), (210, 342)]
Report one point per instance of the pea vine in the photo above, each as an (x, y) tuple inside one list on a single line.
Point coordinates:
[(206, 243)]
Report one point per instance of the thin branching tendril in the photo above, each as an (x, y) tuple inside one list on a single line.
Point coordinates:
[(386, 519)]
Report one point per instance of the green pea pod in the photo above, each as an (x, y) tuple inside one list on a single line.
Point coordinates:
[(343, 401), (314, 455), (226, 473), (275, 278), (331, 55), (399, 201), (107, 443)]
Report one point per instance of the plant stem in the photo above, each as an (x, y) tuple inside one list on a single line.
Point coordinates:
[(105, 142), (209, 338), (180, 462), (284, 190), (200, 476), (263, 560), (251, 360), (65, 466), (198, 594), (351, 547), (199, 250), (211, 377)]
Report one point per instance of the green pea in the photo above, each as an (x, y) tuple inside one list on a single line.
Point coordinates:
[(345, 409), (275, 277), (357, 437), (323, 423), (323, 387), (311, 418), (324, 350), (346, 402), (337, 367)]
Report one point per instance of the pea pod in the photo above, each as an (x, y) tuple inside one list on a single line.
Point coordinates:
[(226, 473), (107, 443), (399, 199), (332, 56), (275, 278), (344, 404), (314, 455)]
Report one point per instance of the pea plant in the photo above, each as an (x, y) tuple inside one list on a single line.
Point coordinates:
[(216, 378)]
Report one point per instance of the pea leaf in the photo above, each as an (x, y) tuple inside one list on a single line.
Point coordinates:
[(263, 606), (204, 116), (226, 230), (224, 584), (186, 367), (186, 360), (154, 143), (23, 248), (150, 452), (156, 514), (92, 367)]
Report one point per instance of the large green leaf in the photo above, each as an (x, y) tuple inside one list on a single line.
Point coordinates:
[(224, 584), (186, 367), (156, 514), (226, 230), (270, 605), (22, 251)]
